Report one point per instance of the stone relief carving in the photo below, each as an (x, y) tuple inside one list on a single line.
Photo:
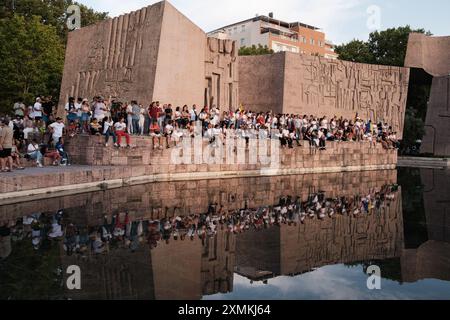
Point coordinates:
[(221, 86), (375, 92)]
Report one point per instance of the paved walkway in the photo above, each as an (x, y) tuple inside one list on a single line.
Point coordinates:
[(421, 162), (50, 169)]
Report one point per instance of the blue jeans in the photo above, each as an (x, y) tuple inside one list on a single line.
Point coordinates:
[(112, 134), (36, 155), (136, 129)]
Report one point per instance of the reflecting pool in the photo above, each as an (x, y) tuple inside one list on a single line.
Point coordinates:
[(290, 237)]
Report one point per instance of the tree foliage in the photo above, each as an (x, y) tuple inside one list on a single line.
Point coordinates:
[(387, 47), (32, 47), (355, 51), (51, 12), (32, 59), (255, 50)]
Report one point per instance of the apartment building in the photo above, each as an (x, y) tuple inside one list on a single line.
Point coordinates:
[(278, 35)]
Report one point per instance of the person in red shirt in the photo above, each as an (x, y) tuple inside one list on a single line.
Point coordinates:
[(153, 112)]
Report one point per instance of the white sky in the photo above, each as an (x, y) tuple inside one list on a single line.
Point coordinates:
[(341, 20)]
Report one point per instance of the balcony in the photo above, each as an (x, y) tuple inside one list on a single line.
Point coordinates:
[(276, 28), (281, 36)]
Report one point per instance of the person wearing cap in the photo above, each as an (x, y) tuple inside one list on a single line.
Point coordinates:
[(37, 109), (6, 144)]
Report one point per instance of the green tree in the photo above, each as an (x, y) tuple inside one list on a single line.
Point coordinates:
[(414, 128), (255, 50), (33, 38), (355, 51), (52, 12), (387, 47), (32, 60)]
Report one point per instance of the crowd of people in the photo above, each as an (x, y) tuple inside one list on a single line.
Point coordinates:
[(119, 230), (36, 132)]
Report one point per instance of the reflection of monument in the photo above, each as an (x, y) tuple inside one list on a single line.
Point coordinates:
[(432, 258), (180, 270), (432, 54)]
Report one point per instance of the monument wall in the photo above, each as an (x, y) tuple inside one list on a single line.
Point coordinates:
[(89, 150), (320, 86), (145, 165), (117, 57), (429, 53), (153, 54), (261, 82), (432, 54), (437, 130)]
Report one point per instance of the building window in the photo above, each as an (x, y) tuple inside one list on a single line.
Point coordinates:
[(304, 40), (243, 28), (230, 31), (312, 41), (242, 42)]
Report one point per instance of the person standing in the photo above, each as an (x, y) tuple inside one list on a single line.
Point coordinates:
[(129, 117), (57, 130), (161, 115), (19, 108), (136, 111), (141, 119), (193, 113), (37, 109), (47, 108), (6, 144), (99, 109)]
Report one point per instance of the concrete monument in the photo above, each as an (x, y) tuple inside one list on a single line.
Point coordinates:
[(291, 83), (432, 54), (155, 53)]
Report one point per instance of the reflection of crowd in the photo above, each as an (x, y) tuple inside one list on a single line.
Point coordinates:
[(120, 231)]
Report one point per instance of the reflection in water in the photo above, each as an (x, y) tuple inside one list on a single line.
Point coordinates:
[(187, 240), (431, 258)]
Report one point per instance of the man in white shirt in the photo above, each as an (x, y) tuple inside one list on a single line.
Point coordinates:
[(193, 113), (57, 129), (168, 131), (37, 110), (120, 128), (99, 109)]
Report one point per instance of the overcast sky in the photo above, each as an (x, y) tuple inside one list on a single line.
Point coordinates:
[(341, 20)]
